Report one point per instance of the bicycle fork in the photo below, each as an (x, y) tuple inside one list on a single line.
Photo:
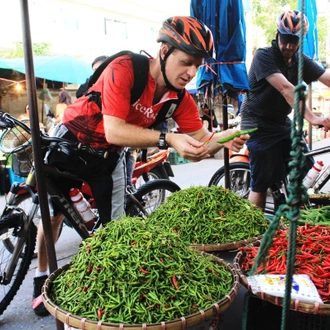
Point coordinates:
[(16, 224)]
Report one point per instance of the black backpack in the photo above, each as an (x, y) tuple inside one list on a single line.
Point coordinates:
[(140, 69)]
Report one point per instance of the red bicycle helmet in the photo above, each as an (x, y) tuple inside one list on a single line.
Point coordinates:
[(289, 23), (189, 35)]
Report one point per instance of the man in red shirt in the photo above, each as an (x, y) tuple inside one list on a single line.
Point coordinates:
[(185, 42)]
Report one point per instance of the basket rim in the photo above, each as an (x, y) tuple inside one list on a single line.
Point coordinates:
[(179, 324), (295, 304), (225, 246)]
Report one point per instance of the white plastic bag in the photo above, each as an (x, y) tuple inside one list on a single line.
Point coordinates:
[(303, 288)]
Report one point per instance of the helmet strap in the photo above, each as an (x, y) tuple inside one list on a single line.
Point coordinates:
[(162, 66)]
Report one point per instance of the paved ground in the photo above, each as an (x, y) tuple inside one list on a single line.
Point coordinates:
[(19, 315)]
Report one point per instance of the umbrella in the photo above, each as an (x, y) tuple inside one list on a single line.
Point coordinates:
[(63, 68), (311, 38), (310, 46), (227, 74), (225, 18)]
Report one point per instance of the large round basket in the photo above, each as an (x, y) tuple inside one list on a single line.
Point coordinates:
[(295, 305), (193, 321), (225, 246)]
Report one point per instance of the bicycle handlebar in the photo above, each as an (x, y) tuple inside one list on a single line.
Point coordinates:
[(8, 121)]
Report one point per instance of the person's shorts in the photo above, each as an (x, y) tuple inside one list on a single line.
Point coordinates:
[(268, 165)]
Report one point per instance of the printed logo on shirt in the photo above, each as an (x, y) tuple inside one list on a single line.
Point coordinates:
[(146, 111)]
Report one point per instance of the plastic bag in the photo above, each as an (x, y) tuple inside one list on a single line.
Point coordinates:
[(303, 288)]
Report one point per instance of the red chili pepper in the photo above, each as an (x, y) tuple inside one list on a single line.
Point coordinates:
[(175, 283), (100, 312), (144, 271), (89, 268), (134, 242)]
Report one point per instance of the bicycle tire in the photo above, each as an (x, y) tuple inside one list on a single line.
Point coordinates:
[(24, 202), (9, 290), (240, 183), (150, 196), (154, 174), (239, 178)]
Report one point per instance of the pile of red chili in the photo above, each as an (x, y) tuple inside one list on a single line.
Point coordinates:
[(312, 256)]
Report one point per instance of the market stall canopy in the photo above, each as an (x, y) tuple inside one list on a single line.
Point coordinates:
[(311, 38), (62, 68), (225, 18)]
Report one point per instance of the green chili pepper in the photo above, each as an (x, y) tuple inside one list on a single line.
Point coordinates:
[(231, 137)]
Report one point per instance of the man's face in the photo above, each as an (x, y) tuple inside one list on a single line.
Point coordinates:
[(288, 45), (181, 68)]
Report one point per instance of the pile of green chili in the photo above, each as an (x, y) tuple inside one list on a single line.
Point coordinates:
[(133, 272), (210, 215), (313, 215)]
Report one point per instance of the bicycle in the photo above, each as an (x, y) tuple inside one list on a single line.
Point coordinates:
[(240, 176), (17, 228)]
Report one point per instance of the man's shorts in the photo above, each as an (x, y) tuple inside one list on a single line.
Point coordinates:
[(268, 164)]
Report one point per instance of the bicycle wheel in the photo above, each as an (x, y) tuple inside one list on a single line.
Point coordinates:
[(12, 226), (24, 202), (149, 197), (239, 178)]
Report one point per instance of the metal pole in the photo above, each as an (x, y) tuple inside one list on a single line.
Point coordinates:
[(310, 127), (225, 150), (36, 142)]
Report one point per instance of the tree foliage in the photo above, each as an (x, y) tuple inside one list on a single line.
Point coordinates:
[(39, 48), (265, 13)]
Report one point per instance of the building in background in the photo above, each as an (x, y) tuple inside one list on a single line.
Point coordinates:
[(87, 29)]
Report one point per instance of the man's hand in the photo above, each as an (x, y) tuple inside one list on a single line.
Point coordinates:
[(188, 147), (237, 143), (324, 122)]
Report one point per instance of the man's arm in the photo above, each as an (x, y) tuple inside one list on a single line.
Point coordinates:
[(278, 81), (190, 146), (325, 78)]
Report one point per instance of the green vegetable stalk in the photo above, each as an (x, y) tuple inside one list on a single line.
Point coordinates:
[(237, 134), (134, 272), (210, 215)]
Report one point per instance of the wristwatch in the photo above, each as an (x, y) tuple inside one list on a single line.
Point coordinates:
[(162, 142)]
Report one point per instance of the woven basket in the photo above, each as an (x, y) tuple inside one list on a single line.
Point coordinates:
[(207, 316), (295, 305), (22, 161), (225, 246), (323, 199)]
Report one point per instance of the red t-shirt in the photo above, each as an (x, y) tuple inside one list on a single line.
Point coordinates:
[(85, 119)]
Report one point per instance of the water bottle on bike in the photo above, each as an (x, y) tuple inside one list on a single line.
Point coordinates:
[(313, 174), (83, 207)]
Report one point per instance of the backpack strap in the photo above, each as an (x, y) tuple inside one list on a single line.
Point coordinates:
[(167, 110), (140, 70)]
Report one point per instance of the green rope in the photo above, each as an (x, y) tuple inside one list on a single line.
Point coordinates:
[(297, 194)]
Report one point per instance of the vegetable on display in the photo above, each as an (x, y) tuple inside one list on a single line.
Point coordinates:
[(132, 272), (312, 256), (237, 134), (210, 215)]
